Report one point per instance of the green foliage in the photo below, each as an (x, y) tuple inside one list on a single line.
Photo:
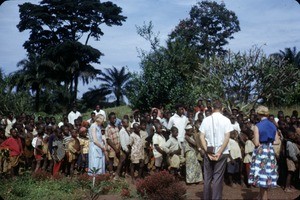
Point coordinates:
[(208, 28), (55, 55), (167, 74), (25, 187), (245, 79), (10, 100), (115, 81), (41, 187), (120, 111)]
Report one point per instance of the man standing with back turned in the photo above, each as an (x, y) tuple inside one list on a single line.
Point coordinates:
[(214, 135)]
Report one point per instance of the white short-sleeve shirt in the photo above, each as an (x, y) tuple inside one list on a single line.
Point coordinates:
[(160, 141), (180, 123), (214, 128)]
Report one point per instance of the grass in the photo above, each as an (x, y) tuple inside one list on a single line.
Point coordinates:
[(45, 188), (24, 187), (120, 112)]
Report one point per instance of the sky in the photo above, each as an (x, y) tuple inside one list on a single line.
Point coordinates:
[(270, 24)]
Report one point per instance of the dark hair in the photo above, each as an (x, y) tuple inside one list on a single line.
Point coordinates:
[(111, 114), (217, 105), (174, 128), (178, 105)]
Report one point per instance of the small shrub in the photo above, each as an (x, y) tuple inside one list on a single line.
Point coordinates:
[(161, 186), (125, 193)]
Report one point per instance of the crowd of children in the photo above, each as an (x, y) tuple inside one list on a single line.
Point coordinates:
[(141, 143)]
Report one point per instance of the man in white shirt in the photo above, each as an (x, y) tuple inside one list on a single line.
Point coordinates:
[(179, 120), (214, 135), (74, 114), (99, 111)]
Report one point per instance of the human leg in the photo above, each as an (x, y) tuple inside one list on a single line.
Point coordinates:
[(263, 192), (208, 174), (218, 177)]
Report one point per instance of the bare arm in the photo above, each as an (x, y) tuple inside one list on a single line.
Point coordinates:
[(256, 137), (277, 138), (203, 141), (96, 142)]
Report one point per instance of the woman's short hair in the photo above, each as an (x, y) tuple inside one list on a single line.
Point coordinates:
[(99, 118)]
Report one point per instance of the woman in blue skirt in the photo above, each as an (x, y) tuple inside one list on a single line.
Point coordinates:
[(263, 170)]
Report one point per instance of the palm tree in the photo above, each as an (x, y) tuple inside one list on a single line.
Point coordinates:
[(289, 55), (95, 96), (115, 81), (33, 76)]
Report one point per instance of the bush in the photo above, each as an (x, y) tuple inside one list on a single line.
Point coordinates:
[(161, 185)]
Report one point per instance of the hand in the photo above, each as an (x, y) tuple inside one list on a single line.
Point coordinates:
[(217, 156), (214, 157), (211, 157)]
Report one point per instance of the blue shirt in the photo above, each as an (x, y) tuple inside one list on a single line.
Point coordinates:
[(267, 131)]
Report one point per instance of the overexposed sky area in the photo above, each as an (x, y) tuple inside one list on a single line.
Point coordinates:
[(270, 24)]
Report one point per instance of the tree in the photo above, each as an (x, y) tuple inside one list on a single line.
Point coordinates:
[(288, 55), (95, 96), (73, 61), (60, 25), (245, 79), (32, 76), (208, 28), (11, 101), (167, 73), (115, 82)]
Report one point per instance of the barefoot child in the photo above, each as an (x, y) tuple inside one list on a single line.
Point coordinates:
[(14, 145), (234, 160), (137, 152), (84, 150), (73, 151), (173, 150)]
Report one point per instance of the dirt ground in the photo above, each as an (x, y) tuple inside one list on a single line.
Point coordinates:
[(196, 192)]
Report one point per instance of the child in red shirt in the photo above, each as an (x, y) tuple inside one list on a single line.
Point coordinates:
[(14, 145)]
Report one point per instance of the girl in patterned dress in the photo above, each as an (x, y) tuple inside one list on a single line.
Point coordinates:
[(263, 170)]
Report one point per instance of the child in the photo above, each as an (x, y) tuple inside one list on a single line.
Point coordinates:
[(38, 148), (234, 160), (73, 152), (84, 150), (137, 152), (249, 148), (124, 141), (193, 167), (14, 145), (146, 145), (57, 150), (113, 142), (158, 141), (292, 157), (173, 149)]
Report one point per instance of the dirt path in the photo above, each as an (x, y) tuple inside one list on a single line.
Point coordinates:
[(196, 192)]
